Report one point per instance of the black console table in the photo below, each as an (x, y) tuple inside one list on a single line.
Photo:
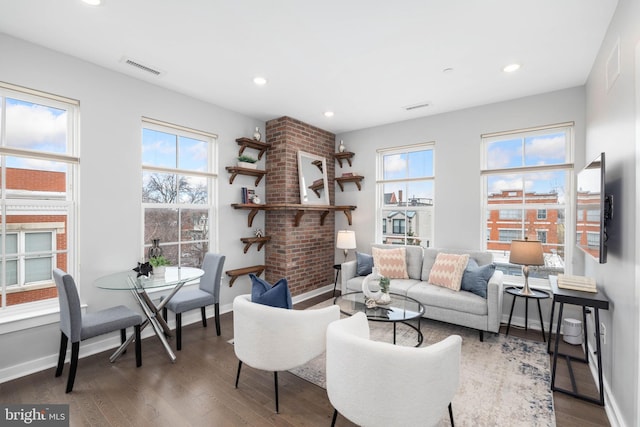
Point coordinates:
[(596, 301)]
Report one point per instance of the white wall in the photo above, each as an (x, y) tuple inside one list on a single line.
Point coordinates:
[(110, 229), (611, 127)]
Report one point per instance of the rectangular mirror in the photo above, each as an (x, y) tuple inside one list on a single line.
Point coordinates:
[(312, 173)]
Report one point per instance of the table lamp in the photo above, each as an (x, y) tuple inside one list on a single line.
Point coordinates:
[(526, 252), (346, 240)]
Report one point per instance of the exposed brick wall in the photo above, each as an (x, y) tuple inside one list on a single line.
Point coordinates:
[(303, 254)]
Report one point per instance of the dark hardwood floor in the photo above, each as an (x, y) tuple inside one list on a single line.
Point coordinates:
[(198, 390)]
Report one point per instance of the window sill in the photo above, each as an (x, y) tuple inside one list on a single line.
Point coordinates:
[(25, 316)]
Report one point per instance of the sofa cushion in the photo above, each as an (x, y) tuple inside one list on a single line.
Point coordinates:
[(430, 255), (476, 278), (277, 295), (364, 264), (437, 296), (391, 263), (448, 269), (414, 256)]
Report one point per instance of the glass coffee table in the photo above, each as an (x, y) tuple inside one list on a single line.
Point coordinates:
[(401, 309)]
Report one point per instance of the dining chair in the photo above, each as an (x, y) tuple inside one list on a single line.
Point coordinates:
[(381, 384), (207, 293), (278, 339), (77, 327)]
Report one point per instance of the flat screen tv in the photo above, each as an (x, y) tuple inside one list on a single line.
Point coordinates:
[(593, 210)]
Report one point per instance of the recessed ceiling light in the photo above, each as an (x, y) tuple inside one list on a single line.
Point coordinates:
[(328, 113), (260, 81), (511, 68), (93, 2)]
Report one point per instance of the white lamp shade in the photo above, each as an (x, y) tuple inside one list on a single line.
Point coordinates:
[(526, 252), (346, 239)]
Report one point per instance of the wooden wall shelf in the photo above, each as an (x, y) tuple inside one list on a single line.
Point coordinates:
[(234, 274), (345, 155), (260, 241), (299, 208), (244, 143), (235, 171), (354, 178)]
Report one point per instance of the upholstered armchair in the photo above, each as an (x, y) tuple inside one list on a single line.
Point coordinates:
[(278, 339), (380, 384)]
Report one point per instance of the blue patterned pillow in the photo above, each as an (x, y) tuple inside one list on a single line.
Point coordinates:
[(277, 295), (476, 278), (364, 264)]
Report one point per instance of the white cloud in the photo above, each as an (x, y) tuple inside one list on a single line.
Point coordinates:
[(394, 163), (549, 148), (31, 126)]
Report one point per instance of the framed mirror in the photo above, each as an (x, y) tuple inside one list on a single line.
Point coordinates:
[(312, 174)]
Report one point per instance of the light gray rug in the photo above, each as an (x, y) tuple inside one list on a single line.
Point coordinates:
[(504, 381)]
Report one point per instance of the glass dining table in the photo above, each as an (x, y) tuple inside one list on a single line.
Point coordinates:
[(173, 279)]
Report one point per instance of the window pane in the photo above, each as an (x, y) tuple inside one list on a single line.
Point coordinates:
[(545, 187), (161, 224), (394, 166), (504, 154), (193, 254), (193, 190), (33, 178), (37, 242), (545, 149), (420, 193), (11, 243), (420, 164), (36, 127), (195, 225), (194, 154), (12, 272), (37, 269), (394, 194), (159, 187), (158, 149)]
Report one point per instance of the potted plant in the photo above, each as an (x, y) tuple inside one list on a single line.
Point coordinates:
[(159, 264), (247, 162), (384, 284)]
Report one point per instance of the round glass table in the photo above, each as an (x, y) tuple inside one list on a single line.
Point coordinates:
[(173, 279), (401, 309)]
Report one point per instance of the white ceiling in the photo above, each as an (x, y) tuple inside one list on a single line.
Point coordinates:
[(363, 59)]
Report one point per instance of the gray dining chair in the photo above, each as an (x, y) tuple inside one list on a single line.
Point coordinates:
[(207, 293), (77, 327)]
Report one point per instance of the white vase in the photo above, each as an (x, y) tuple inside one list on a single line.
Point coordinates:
[(257, 135), (159, 271), (341, 147), (384, 298), (247, 165)]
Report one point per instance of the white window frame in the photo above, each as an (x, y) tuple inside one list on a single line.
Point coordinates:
[(36, 313), (568, 165), (211, 175), (380, 181)]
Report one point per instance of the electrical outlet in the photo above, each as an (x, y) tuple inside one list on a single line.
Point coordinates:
[(603, 333)]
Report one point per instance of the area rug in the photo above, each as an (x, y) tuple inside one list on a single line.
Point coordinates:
[(504, 381)]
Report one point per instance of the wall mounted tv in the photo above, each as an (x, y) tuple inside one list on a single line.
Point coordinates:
[(594, 209)]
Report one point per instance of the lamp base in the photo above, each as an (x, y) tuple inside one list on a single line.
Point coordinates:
[(525, 291)]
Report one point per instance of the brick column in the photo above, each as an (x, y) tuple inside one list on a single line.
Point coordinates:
[(303, 254)]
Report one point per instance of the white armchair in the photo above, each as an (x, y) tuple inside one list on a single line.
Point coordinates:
[(380, 384), (278, 339)]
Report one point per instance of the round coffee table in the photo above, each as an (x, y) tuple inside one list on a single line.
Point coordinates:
[(401, 309)]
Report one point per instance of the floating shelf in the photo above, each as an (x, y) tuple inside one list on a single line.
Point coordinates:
[(345, 155), (235, 171), (260, 241), (244, 143), (354, 178), (299, 208), (234, 274)]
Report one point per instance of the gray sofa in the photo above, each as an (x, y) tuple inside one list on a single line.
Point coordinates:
[(458, 307)]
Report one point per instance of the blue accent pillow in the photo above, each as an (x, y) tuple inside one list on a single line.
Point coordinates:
[(364, 264), (476, 278), (277, 295)]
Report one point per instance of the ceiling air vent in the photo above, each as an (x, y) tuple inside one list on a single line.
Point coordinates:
[(416, 106), (140, 66)]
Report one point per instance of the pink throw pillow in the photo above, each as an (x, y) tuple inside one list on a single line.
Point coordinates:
[(391, 263), (448, 270)]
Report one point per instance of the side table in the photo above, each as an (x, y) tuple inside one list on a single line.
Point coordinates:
[(337, 268), (596, 301), (537, 295)]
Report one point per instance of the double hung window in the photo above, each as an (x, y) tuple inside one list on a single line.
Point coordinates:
[(405, 188), (527, 182), (178, 182), (38, 166)]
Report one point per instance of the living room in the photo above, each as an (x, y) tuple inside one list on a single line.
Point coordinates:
[(113, 105)]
